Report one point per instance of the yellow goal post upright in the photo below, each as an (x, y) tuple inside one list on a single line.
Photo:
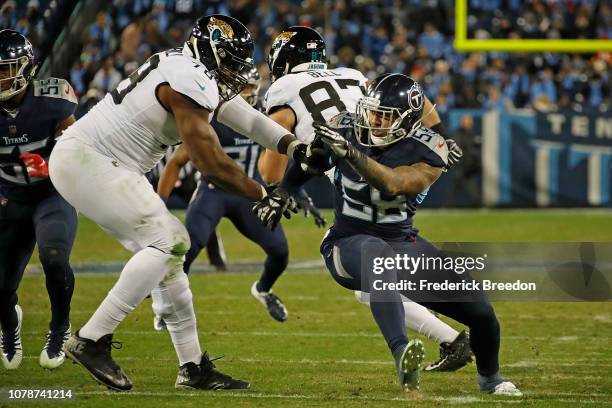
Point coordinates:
[(464, 44)]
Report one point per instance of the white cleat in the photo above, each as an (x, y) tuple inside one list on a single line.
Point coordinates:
[(10, 343), (272, 303), (159, 324), (52, 354), (508, 389)]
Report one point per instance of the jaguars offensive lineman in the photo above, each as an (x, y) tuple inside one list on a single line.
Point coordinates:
[(386, 161), (33, 114), (210, 203), (99, 165), (304, 91)]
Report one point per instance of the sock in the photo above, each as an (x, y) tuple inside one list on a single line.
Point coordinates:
[(420, 319), (139, 276), (172, 300), (488, 382), (390, 319), (8, 314), (275, 265), (60, 286)]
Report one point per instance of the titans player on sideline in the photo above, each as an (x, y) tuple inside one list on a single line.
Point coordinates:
[(385, 163), (33, 113), (303, 90), (210, 203)]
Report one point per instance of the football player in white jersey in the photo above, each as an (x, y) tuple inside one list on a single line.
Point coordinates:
[(304, 91), (99, 165)]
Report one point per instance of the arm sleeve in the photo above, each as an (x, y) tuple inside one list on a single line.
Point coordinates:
[(248, 121)]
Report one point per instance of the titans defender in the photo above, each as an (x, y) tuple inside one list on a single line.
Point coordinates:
[(210, 203), (304, 91), (33, 114), (386, 161)]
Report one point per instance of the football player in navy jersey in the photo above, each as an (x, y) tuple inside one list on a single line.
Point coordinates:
[(210, 203), (33, 114), (386, 162)]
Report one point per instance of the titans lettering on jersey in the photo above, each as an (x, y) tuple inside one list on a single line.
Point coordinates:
[(31, 129), (241, 149), (362, 209)]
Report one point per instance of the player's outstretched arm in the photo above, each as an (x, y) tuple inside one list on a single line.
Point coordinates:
[(272, 165), (172, 169), (204, 149), (391, 181)]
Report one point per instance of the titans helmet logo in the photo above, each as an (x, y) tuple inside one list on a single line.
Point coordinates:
[(415, 97)]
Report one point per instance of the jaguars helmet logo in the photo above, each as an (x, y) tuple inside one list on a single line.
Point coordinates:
[(219, 29)]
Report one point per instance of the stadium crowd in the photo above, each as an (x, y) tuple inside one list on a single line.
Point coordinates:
[(410, 36)]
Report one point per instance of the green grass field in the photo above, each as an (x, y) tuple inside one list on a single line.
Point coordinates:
[(329, 352)]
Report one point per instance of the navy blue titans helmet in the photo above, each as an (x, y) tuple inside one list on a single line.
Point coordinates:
[(390, 110), (17, 66)]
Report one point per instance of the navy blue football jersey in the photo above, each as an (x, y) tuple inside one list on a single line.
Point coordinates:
[(31, 129), (241, 149), (362, 209)]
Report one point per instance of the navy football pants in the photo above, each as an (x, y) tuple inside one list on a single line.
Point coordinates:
[(51, 223), (344, 257)]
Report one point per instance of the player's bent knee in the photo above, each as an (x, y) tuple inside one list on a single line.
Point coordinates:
[(54, 259)]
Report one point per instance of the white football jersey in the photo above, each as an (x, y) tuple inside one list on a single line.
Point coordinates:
[(127, 125), (316, 95)]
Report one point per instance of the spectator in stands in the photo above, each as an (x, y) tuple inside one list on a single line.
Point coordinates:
[(107, 78)]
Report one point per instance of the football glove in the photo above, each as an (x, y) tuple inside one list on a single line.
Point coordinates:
[(272, 207), (455, 153), (341, 147), (313, 158), (308, 207), (35, 165)]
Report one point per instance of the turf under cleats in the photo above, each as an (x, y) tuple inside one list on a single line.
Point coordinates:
[(275, 306), (159, 324), (453, 355), (409, 364), (52, 355), (10, 343), (95, 357), (203, 376)]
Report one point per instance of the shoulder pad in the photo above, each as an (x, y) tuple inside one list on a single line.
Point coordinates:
[(278, 93), (191, 78), (342, 120), (54, 88), (432, 140)]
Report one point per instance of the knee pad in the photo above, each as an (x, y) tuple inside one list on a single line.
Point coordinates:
[(53, 257), (279, 253)]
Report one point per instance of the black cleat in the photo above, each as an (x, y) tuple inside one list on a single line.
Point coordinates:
[(453, 355), (205, 377), (95, 357), (275, 306)]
